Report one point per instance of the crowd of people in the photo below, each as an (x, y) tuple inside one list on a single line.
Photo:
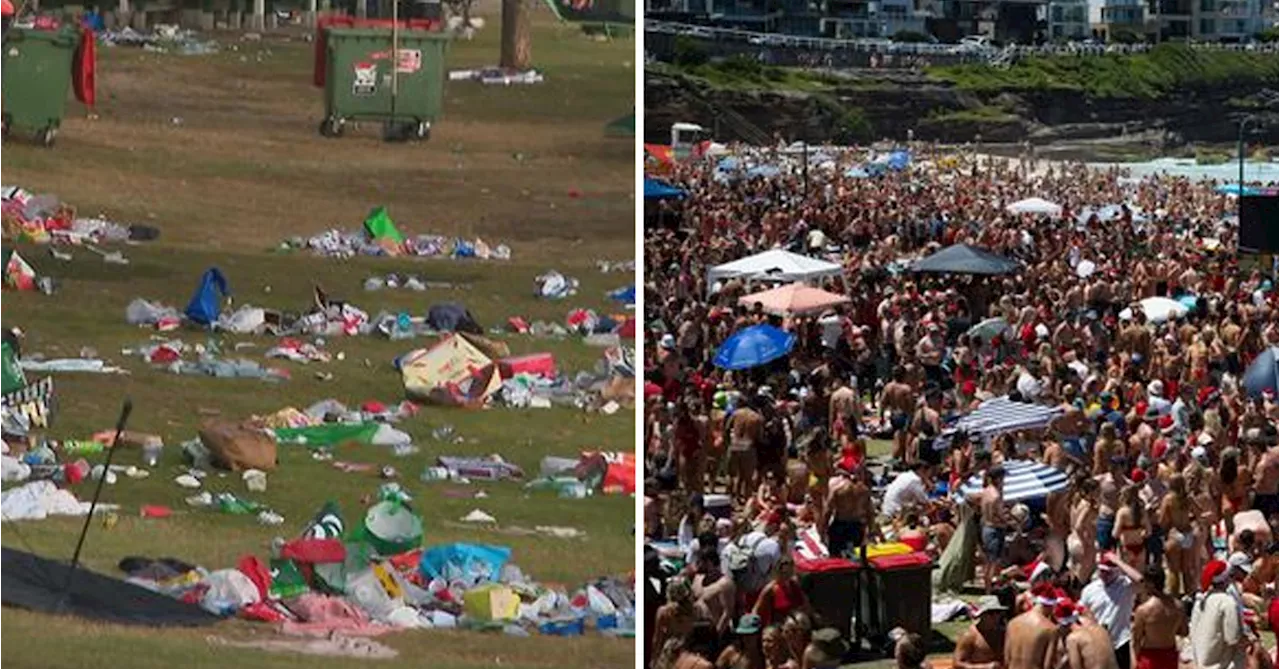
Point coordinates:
[(1159, 546)]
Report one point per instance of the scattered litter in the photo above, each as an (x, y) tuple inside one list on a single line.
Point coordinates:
[(80, 365), (38, 500), (255, 480), (44, 219), (187, 481), (380, 237), (497, 76), (478, 516), (334, 646), (553, 285), (163, 38)]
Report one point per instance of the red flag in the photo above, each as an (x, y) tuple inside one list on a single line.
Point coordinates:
[(83, 69)]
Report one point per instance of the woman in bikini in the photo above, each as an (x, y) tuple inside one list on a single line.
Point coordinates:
[(1132, 526), (1177, 510), (782, 595)]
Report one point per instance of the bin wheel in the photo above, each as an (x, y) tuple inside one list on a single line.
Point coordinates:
[(393, 131), (423, 131), (47, 136), (331, 127)]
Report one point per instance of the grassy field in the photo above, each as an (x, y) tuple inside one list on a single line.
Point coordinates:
[(221, 153)]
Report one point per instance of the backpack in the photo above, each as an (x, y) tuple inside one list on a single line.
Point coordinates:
[(742, 558)]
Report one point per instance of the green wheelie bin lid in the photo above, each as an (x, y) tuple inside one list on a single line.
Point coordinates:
[(37, 76)]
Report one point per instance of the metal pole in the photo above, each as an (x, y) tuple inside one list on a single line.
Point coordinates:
[(93, 506), (395, 56)]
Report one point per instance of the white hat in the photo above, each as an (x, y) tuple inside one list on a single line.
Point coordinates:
[(1042, 331), (1199, 453), (668, 341), (1155, 388), (1241, 561)]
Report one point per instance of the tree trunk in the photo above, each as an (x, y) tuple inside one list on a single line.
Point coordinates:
[(516, 43)]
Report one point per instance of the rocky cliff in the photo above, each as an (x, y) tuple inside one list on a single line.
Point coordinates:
[(875, 105)]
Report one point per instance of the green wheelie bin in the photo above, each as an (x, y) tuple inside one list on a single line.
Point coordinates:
[(37, 76), (358, 82)]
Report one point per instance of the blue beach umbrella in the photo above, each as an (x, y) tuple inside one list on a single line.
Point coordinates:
[(1260, 378), (754, 346)]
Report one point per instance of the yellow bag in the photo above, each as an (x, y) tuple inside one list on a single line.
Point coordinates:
[(491, 602)]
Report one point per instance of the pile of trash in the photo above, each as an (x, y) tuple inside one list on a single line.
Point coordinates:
[(380, 237), (412, 282), (44, 219), (172, 355), (497, 76), (163, 38), (374, 577)]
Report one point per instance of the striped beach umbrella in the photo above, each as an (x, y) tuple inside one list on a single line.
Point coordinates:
[(1024, 480)]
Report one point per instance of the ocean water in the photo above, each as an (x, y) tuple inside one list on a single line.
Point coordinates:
[(1265, 172)]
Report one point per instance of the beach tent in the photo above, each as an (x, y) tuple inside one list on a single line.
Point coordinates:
[(206, 303), (454, 371), (754, 346), (1158, 309), (775, 264), (997, 416), (1024, 480), (796, 298), (452, 317), (614, 472), (965, 259), (657, 190), (1035, 205), (1260, 377)]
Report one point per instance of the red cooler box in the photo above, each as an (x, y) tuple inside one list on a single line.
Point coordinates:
[(537, 364)]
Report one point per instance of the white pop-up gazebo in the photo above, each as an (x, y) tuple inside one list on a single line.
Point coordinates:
[(775, 265)]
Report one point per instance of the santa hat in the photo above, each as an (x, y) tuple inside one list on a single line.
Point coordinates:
[(1213, 573), (969, 388), (1138, 475), (1160, 449), (1045, 594), (1037, 570), (1166, 424), (1207, 395), (1066, 612)]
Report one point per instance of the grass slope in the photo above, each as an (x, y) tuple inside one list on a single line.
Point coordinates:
[(243, 168), (1164, 70)]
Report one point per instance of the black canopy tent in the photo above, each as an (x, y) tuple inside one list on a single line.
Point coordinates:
[(965, 259)]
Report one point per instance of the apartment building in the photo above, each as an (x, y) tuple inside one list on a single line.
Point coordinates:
[(1228, 20), (850, 19), (1068, 19), (1110, 18)]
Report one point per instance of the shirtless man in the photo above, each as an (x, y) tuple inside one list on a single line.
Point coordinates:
[(844, 415), (746, 429), (848, 512), (1031, 639), (1104, 449), (1109, 487), (996, 521), (1157, 623), (1088, 644), (899, 400), (1266, 474), (982, 645)]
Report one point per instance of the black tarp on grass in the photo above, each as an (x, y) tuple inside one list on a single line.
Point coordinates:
[(28, 581)]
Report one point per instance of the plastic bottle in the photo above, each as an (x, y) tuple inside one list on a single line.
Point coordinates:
[(82, 447), (575, 490), (432, 474)]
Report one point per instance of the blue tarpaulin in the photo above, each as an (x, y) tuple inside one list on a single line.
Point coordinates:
[(464, 561), (206, 303), (657, 190), (898, 160), (624, 295)]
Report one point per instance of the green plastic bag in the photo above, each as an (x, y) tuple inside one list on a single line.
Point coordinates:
[(286, 580), (380, 227), (327, 434)]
